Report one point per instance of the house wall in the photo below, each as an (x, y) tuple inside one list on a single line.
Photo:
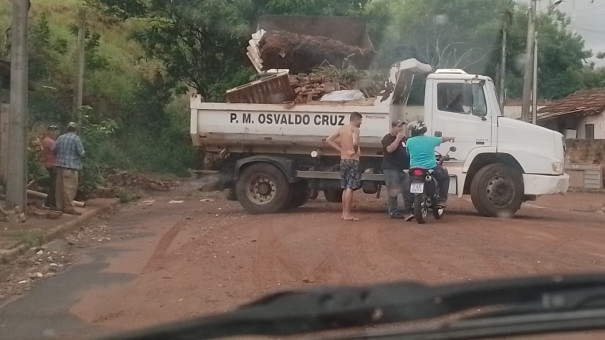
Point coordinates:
[(599, 125), (579, 124)]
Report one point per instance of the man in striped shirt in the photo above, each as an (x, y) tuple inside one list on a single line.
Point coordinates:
[(69, 151)]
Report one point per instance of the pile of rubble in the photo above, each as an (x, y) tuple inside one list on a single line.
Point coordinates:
[(125, 180), (312, 87)]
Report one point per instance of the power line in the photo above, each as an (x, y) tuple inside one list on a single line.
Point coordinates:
[(588, 30)]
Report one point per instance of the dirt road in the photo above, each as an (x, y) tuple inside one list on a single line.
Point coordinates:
[(206, 255)]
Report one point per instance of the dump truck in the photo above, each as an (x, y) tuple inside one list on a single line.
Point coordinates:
[(275, 157)]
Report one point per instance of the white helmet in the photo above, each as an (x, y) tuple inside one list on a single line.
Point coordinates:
[(417, 128)]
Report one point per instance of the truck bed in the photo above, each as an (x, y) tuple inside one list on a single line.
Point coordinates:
[(277, 128)]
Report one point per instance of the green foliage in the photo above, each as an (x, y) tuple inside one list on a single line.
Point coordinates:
[(445, 34), (125, 195), (130, 125), (35, 168), (94, 136), (202, 42), (592, 77)]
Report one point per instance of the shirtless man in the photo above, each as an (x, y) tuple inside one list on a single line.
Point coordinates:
[(350, 169)]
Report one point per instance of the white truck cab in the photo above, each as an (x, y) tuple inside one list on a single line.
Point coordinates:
[(499, 161), (275, 156)]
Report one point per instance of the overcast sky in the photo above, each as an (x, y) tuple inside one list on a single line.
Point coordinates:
[(588, 20)]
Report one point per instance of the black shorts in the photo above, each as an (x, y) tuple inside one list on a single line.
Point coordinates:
[(350, 174)]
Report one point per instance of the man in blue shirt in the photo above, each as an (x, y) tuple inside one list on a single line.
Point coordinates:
[(69, 151), (422, 155)]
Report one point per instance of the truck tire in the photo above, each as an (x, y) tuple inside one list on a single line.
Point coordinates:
[(299, 194), (497, 190), (333, 195), (262, 189)]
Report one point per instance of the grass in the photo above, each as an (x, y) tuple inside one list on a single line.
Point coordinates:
[(29, 237), (126, 196)]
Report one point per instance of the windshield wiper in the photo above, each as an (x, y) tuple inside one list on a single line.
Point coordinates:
[(545, 301)]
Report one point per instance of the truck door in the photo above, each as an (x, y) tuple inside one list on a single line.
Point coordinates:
[(459, 110)]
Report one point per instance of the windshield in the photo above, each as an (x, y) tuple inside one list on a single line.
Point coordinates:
[(163, 161)]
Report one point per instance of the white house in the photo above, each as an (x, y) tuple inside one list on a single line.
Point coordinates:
[(580, 115)]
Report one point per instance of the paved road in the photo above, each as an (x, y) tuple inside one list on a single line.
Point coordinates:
[(171, 261)]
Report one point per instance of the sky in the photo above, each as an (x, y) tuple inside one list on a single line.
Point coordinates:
[(587, 20)]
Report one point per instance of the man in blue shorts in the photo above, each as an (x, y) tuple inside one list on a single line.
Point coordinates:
[(350, 168)]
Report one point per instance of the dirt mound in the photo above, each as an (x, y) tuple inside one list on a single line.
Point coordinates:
[(302, 52)]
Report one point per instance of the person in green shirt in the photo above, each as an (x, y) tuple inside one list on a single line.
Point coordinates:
[(422, 155)]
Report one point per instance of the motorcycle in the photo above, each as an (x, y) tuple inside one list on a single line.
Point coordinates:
[(425, 189)]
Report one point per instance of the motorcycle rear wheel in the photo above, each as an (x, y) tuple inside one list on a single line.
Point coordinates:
[(420, 208)]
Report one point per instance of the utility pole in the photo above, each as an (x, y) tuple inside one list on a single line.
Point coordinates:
[(534, 92), (17, 133), (79, 83), (502, 71), (502, 93), (527, 72)]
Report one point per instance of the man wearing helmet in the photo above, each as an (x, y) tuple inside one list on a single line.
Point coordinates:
[(422, 154)]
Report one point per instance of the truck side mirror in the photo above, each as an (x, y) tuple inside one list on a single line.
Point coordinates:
[(438, 134)]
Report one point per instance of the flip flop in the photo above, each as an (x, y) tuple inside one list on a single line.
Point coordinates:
[(351, 219)]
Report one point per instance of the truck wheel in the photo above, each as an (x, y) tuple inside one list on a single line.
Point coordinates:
[(262, 189), (497, 190), (333, 195), (299, 194)]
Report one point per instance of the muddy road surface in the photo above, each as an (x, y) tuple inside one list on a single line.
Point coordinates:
[(185, 254)]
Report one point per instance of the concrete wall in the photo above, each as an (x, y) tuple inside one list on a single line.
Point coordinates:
[(584, 162), (584, 151)]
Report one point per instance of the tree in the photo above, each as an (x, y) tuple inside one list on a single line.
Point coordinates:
[(453, 34), (199, 42), (202, 42), (561, 55)]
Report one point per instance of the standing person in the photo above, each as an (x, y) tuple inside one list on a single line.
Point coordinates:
[(50, 162), (69, 151), (350, 168), (395, 160), (422, 154)]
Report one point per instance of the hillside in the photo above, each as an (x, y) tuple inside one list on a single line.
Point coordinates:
[(135, 121)]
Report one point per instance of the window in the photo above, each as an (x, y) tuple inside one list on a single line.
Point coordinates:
[(451, 97), (589, 131), (461, 98)]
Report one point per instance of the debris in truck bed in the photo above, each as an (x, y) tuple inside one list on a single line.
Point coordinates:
[(302, 52), (311, 87)]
